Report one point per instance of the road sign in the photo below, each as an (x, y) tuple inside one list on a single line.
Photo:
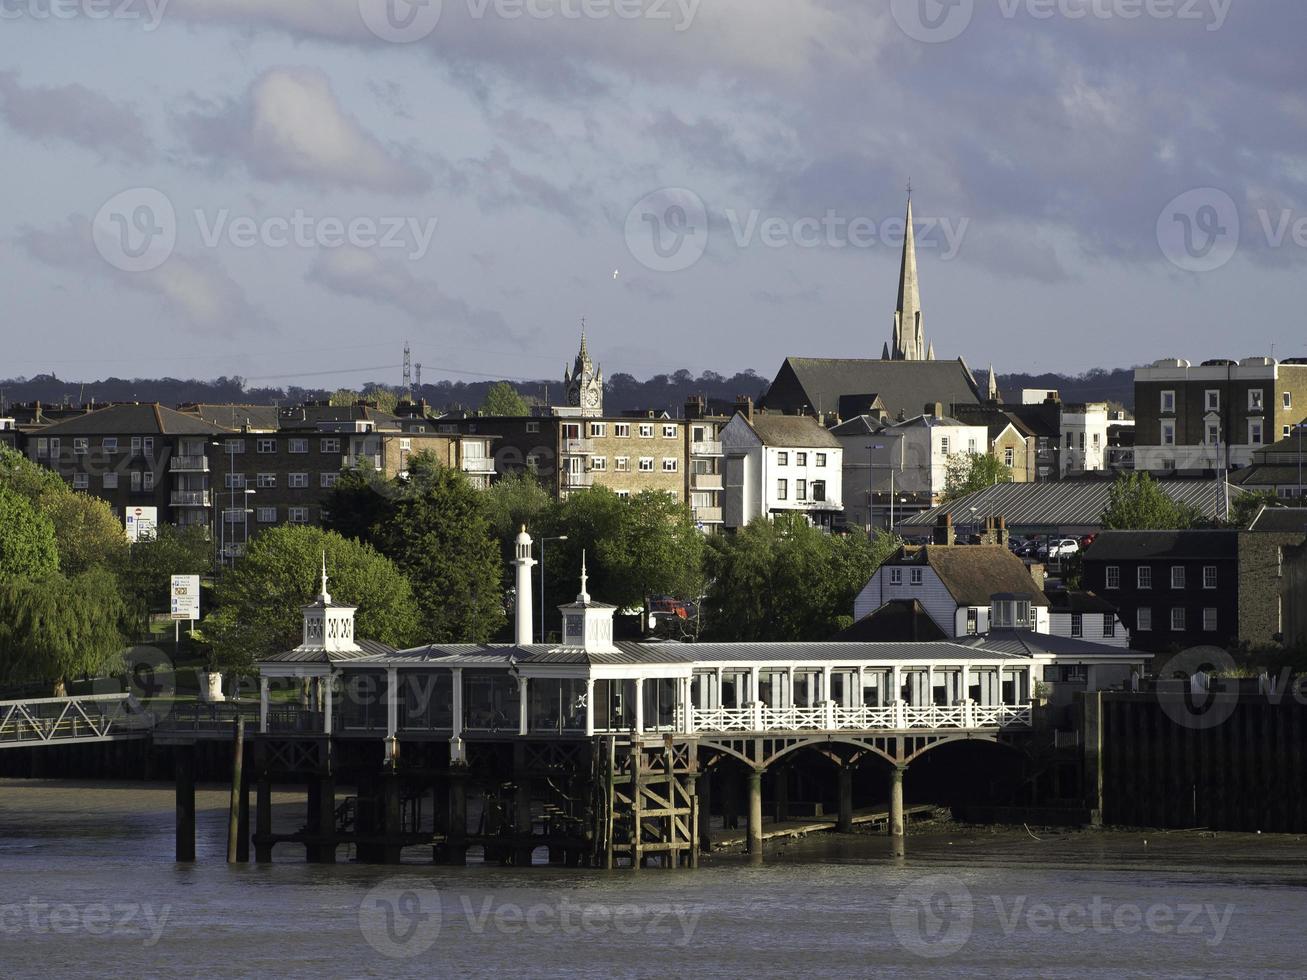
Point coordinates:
[(141, 523), (185, 597)]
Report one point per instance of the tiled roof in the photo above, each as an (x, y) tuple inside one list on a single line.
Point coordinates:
[(1136, 545), (904, 386), (973, 573), (236, 416), (792, 430), (898, 621), (134, 419)]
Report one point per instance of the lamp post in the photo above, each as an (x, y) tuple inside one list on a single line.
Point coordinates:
[(561, 537), (871, 477)]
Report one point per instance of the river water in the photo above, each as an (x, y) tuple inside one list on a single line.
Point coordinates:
[(88, 888)]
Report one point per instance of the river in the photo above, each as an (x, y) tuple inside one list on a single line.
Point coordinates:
[(88, 888)]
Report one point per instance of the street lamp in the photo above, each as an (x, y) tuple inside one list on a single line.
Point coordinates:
[(561, 537), (871, 477)]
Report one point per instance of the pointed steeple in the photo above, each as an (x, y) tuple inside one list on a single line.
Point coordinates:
[(930, 351), (583, 595), (325, 595), (909, 334), (884, 354), (993, 385)]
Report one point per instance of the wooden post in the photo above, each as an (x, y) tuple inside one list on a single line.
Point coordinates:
[(243, 820), (325, 828), (184, 773), (692, 784), (610, 798), (237, 790), (456, 852), (703, 793), (755, 814), (1092, 730), (263, 814), (844, 824), (637, 803), (896, 820), (521, 807)]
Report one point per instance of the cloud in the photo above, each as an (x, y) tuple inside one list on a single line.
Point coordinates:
[(196, 290), (364, 274), (289, 126), (73, 114)]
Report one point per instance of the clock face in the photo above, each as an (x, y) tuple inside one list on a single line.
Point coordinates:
[(591, 398), (574, 397)]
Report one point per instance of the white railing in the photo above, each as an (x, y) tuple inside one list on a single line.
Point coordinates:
[(478, 464), (189, 464), (830, 717), (706, 448), (87, 718)]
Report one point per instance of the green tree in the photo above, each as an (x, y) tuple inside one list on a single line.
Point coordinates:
[(503, 400), (436, 530), (145, 570), (968, 472), (360, 499), (1244, 507), (1136, 503), (86, 531), (28, 548), (260, 599), (54, 628), (786, 580), (655, 549), (514, 501), (20, 474)]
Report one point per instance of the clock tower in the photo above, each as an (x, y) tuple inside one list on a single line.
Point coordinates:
[(584, 383)]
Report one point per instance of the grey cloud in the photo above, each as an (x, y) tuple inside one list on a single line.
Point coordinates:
[(73, 114)]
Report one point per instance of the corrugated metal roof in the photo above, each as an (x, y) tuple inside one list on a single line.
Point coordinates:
[(1066, 503), (1024, 643)]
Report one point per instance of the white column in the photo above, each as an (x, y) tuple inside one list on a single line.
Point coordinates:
[(522, 615), (328, 684), (896, 684), (456, 692), (522, 715), (639, 705), (589, 706), (753, 684), (826, 694), (862, 684), (787, 700), (966, 683), (263, 704), (930, 685), (689, 702), (717, 695), (392, 701)]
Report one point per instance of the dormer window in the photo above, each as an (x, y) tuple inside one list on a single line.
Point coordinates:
[(1010, 612)]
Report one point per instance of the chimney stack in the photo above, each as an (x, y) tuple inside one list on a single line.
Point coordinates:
[(744, 405), (944, 533)]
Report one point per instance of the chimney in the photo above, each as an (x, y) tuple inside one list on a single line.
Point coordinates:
[(944, 533), (934, 409), (1039, 573), (696, 407), (744, 405), (1003, 534)]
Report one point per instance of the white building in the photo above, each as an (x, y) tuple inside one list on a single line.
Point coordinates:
[(1084, 438), (1085, 616), (779, 464)]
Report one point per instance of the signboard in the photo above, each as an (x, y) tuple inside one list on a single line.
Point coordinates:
[(141, 523), (185, 597)]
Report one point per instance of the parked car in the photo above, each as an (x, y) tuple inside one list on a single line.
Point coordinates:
[(1087, 540), (1063, 548)]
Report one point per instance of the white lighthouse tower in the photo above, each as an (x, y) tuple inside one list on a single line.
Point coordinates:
[(523, 562)]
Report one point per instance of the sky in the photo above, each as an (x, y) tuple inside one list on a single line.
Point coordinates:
[(289, 190)]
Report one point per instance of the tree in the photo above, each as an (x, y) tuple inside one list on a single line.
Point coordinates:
[(786, 580), (145, 569), (503, 400), (1244, 507), (655, 549), (86, 531), (968, 472), (28, 548), (514, 501), (260, 599), (360, 499), (436, 531), (20, 474), (1136, 503)]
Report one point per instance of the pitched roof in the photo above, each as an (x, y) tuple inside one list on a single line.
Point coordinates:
[(898, 621), (993, 418), (1062, 601), (1138, 545), (236, 416), (904, 386), (1027, 643), (133, 419), (1286, 520), (973, 573), (792, 430)]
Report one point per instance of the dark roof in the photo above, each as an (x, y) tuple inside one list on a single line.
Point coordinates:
[(1267, 475), (1132, 545), (898, 621), (996, 420), (134, 419), (1066, 503), (1025, 643), (859, 425), (1043, 419), (1287, 520), (792, 430), (904, 386), (973, 573), (1061, 601), (236, 416), (367, 649)]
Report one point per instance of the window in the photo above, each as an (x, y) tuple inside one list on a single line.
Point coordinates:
[(147, 445), (79, 446), (973, 621), (669, 432), (782, 459), (298, 515), (1168, 402), (147, 479), (1144, 578), (819, 490), (328, 480), (1009, 457), (111, 481), (943, 444), (1255, 432), (1114, 576), (136, 446), (917, 576), (1168, 433), (646, 464), (622, 464), (1177, 576), (405, 445), (1143, 619), (533, 427), (622, 430), (598, 428), (800, 459), (782, 489), (1255, 396), (299, 445), (297, 481), (599, 463), (1070, 440), (266, 515), (800, 489), (670, 464), (330, 445), (896, 576), (136, 481), (266, 481), (646, 432), (1177, 619), (971, 446), (1109, 624), (1288, 399), (231, 446), (1209, 620), (1209, 576), (265, 445), (1212, 400), (42, 448), (109, 444), (233, 515), (821, 459), (80, 481), (1077, 625), (1082, 442), (234, 481), (1213, 433)]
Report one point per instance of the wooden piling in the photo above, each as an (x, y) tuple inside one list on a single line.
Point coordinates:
[(896, 820), (755, 814), (237, 791), (844, 824), (184, 773)]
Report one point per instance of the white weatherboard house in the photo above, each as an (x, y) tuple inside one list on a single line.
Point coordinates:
[(779, 464)]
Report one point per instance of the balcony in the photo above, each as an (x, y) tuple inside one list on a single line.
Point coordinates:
[(577, 447), (355, 460), (708, 515), (705, 449), (189, 464), (706, 481), (481, 464), (191, 498), (577, 481)]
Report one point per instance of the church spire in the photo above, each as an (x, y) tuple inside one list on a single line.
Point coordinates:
[(992, 392), (909, 335)]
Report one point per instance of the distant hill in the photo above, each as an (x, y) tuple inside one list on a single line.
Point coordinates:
[(624, 392)]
